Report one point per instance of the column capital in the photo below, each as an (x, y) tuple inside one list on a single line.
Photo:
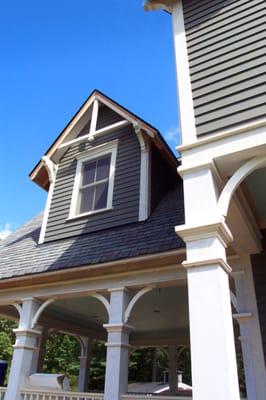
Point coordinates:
[(207, 263), (217, 229), (118, 327), (26, 332), (119, 289), (242, 317)]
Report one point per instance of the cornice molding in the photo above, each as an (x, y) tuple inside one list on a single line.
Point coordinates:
[(217, 229), (207, 263)]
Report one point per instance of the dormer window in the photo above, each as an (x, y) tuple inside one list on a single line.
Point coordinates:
[(94, 181)]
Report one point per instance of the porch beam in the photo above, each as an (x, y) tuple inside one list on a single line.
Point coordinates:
[(170, 273)]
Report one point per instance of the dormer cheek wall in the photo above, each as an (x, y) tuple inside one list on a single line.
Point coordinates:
[(125, 196)]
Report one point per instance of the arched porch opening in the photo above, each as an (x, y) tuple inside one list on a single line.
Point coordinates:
[(9, 317), (160, 334), (243, 203), (75, 345)]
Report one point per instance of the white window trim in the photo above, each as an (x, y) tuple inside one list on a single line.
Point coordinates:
[(96, 152)]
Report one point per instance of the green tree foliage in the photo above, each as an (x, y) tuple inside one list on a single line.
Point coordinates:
[(6, 338), (62, 356), (63, 351)]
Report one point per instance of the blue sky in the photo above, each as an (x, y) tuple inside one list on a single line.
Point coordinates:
[(53, 54)]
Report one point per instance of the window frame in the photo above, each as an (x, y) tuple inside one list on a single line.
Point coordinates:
[(84, 157)]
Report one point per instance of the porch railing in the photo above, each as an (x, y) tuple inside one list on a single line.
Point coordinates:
[(42, 395), (2, 393)]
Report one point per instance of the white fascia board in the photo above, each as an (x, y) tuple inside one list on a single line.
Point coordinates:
[(243, 146), (184, 89)]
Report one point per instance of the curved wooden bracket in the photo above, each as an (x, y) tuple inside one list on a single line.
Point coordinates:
[(83, 343), (139, 133), (234, 300), (135, 299), (235, 180), (40, 310), (50, 167), (103, 300), (18, 307)]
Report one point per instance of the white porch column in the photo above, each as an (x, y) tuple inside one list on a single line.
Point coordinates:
[(154, 366), (38, 356), (248, 319), (116, 375), (84, 369), (172, 368), (42, 348), (24, 348), (214, 368)]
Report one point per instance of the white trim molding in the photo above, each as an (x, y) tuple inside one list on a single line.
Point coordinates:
[(236, 179), (144, 191), (51, 168), (94, 118), (103, 300), (97, 133), (134, 300), (93, 153), (184, 90), (218, 229), (40, 310)]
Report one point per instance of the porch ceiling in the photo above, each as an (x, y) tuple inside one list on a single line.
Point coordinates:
[(159, 313), (256, 188)]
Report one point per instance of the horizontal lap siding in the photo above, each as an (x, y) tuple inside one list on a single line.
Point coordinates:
[(126, 186), (226, 48)]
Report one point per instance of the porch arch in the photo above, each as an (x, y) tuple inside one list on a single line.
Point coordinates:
[(18, 308), (134, 300), (235, 180), (40, 311)]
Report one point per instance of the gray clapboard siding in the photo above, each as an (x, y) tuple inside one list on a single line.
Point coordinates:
[(224, 31), (223, 14), (226, 49), (254, 52), (107, 117), (126, 185), (232, 99)]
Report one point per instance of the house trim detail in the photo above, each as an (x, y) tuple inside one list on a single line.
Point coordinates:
[(88, 155)]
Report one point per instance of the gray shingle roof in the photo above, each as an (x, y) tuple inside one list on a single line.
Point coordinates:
[(21, 255)]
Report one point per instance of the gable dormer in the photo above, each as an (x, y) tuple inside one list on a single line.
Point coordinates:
[(98, 171)]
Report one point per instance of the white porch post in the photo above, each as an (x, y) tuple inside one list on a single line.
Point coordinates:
[(38, 356), (24, 348), (42, 348), (84, 369), (116, 376), (251, 341), (214, 368), (172, 374)]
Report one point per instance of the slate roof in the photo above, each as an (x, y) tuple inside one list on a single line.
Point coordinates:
[(20, 253)]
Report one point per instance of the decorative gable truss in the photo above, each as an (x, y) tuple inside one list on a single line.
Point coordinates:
[(84, 127)]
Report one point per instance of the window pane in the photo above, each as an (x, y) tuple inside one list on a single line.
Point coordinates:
[(88, 172), (101, 196), (103, 168), (86, 199)]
